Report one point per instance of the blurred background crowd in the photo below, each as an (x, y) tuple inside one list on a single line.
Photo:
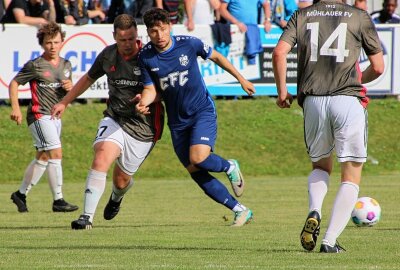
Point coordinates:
[(188, 12)]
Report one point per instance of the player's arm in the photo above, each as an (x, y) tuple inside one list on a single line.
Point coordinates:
[(375, 69), (16, 114), (221, 61), (84, 82), (149, 95), (279, 64)]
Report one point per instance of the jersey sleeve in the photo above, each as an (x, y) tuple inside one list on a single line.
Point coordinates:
[(26, 74), (370, 39), (96, 70), (290, 33), (202, 49), (145, 75)]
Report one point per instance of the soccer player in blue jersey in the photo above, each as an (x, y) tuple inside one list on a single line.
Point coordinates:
[(170, 71)]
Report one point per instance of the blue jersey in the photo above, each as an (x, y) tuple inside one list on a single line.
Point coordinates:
[(176, 75)]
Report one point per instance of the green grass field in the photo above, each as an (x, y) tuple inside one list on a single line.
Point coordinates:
[(166, 222), (170, 224)]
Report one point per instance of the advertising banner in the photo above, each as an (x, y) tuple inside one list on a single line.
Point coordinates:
[(18, 44)]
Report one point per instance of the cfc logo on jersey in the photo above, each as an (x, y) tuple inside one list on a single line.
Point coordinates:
[(206, 48), (184, 60)]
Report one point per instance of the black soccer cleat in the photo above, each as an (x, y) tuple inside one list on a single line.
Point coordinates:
[(111, 209), (82, 223), (325, 248), (61, 205), (20, 201), (310, 232)]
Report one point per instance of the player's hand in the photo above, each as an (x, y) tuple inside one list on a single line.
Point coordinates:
[(242, 27), (284, 101), (190, 25), (267, 26), (248, 87), (16, 116), (143, 109), (57, 111), (67, 85)]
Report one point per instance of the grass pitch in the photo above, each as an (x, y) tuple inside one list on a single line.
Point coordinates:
[(171, 224)]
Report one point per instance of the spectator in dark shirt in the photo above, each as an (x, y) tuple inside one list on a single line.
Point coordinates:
[(31, 12), (386, 15), (172, 6), (135, 8)]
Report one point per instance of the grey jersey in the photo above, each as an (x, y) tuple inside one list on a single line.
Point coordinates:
[(124, 83), (45, 82), (329, 37)]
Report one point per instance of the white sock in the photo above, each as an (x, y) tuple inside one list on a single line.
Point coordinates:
[(54, 171), (33, 173), (95, 185), (318, 182), (118, 194), (345, 200), (239, 207)]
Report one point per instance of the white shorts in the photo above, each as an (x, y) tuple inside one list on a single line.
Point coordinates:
[(46, 133), (133, 152), (335, 122)]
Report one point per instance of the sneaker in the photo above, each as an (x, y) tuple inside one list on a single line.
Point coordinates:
[(242, 218), (82, 223), (61, 205), (325, 248), (111, 209), (20, 201), (236, 179), (310, 232)]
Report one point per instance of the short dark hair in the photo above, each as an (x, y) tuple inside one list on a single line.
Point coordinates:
[(124, 22), (51, 30), (154, 16)]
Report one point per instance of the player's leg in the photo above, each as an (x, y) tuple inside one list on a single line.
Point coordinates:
[(350, 125), (33, 173), (55, 177), (134, 154), (107, 148), (47, 134), (319, 142), (211, 186), (203, 136)]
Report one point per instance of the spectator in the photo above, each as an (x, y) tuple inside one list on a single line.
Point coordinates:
[(282, 10), (83, 11), (200, 12), (361, 4), (304, 3), (386, 15), (172, 6), (244, 15), (31, 12), (135, 8), (3, 6), (62, 14)]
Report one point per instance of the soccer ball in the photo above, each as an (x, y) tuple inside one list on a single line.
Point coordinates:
[(366, 212)]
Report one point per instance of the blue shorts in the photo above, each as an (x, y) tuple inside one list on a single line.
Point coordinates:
[(202, 131)]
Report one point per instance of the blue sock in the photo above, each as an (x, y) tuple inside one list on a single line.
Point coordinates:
[(214, 163), (214, 188)]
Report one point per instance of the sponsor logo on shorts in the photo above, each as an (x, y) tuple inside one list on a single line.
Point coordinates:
[(204, 138)]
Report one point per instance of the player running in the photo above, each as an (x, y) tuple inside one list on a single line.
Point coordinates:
[(49, 77), (329, 36), (123, 135), (170, 70)]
